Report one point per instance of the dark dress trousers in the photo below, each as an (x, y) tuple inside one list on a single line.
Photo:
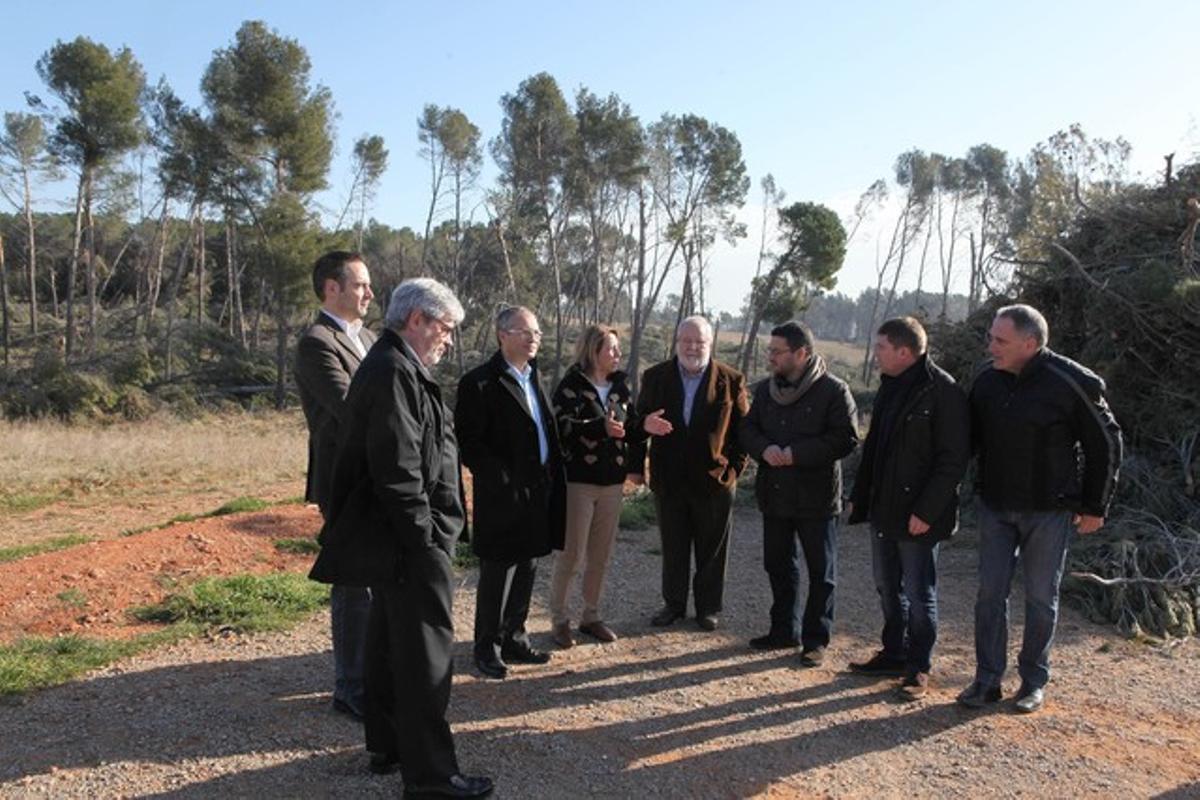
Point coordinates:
[(326, 360), (519, 502), (693, 474), (394, 520)]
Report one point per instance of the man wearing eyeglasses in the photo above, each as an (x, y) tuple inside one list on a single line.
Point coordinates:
[(694, 469), (800, 427), (509, 440), (393, 524)]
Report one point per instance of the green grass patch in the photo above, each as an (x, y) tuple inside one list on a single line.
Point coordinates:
[(242, 603), (464, 556), (637, 511), (239, 505), (37, 662), (298, 500), (236, 506), (72, 597), (20, 502), (48, 546), (298, 546)]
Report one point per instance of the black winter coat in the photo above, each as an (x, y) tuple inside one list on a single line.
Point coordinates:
[(920, 468), (821, 429), (519, 508), (591, 455), (395, 482), (1030, 430)]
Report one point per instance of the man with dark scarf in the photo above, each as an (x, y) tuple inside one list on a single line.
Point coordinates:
[(906, 489), (800, 426)]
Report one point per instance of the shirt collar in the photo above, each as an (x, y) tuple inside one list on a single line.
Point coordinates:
[(350, 328), (521, 374)]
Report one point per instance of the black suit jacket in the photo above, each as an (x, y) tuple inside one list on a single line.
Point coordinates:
[(325, 362), (705, 456), (519, 508), (395, 482)]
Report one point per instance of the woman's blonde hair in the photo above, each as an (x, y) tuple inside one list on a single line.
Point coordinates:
[(589, 345)]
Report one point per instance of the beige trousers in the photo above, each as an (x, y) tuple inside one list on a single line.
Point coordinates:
[(592, 516)]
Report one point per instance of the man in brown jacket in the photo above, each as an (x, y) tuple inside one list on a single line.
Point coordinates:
[(327, 357), (694, 469)]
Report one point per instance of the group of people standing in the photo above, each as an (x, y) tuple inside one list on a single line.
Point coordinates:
[(548, 475)]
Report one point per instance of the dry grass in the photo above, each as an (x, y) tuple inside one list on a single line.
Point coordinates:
[(99, 480)]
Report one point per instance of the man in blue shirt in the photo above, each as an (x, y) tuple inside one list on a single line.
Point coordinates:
[(509, 440)]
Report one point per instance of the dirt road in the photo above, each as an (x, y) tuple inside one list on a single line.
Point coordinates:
[(666, 713)]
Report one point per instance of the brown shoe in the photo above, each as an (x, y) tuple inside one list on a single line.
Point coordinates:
[(562, 636), (913, 686), (598, 631)]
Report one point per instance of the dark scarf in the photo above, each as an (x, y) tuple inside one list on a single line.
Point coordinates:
[(786, 392)]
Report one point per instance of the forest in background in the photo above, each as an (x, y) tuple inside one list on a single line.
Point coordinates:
[(180, 277)]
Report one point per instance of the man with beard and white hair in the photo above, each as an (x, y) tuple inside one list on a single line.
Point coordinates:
[(694, 469), (800, 427), (394, 519)]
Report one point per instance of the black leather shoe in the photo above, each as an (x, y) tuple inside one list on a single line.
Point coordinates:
[(707, 622), (880, 665), (1029, 699), (665, 616), (773, 642), (517, 653), (454, 786), (491, 667), (383, 763), (977, 695)]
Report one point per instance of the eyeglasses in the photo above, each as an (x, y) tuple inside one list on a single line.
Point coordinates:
[(528, 333), (443, 328)]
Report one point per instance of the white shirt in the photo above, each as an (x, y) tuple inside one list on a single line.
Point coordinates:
[(525, 381), (351, 329)]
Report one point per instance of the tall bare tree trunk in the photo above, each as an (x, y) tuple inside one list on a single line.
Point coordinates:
[(72, 267), (4, 299), (201, 255), (637, 322), (91, 266), (31, 250), (185, 249)]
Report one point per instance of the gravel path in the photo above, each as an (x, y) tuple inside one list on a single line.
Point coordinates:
[(664, 713)]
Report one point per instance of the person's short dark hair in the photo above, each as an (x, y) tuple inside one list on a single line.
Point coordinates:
[(333, 267), (797, 335), (905, 332), (1028, 321)]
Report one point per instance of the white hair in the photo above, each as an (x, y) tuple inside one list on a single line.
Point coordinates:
[(706, 328), (431, 298)]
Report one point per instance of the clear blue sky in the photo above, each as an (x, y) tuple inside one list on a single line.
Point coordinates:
[(824, 96)]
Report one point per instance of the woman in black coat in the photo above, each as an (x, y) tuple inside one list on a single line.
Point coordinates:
[(597, 426)]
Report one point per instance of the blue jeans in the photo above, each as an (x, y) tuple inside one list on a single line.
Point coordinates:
[(906, 579), (349, 607), (781, 558), (1040, 539)]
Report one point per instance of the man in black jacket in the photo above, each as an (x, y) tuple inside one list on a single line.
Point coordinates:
[(907, 489), (328, 353), (801, 424), (509, 440), (394, 518), (1033, 412)]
